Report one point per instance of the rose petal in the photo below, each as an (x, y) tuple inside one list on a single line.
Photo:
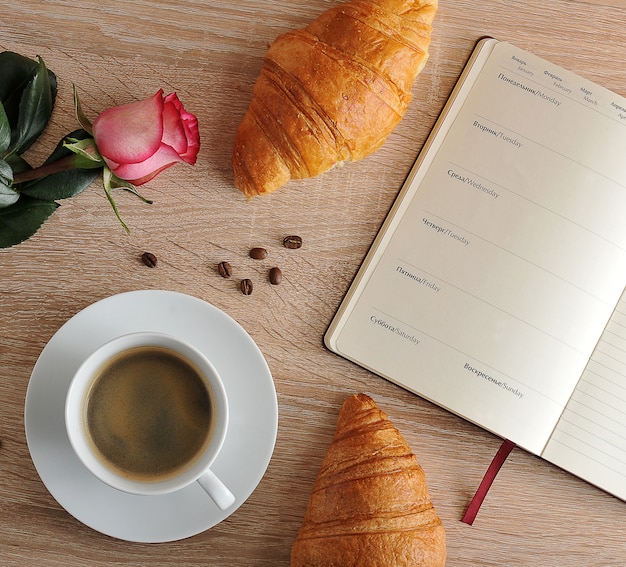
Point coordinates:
[(130, 133), (150, 176), (193, 147), (173, 129), (139, 173), (189, 124)]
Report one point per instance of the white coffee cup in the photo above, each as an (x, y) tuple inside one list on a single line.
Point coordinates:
[(210, 436)]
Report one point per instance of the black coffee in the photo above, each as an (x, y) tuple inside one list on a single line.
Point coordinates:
[(149, 413)]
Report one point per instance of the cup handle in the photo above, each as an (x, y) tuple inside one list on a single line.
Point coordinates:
[(217, 490)]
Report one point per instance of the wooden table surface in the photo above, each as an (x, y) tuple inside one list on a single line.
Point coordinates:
[(210, 53)]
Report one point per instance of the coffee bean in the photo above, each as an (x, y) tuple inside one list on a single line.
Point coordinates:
[(258, 253), (293, 242), (276, 276), (225, 270), (246, 286), (149, 259)]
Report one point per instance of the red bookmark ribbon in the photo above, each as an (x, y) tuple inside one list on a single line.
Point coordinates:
[(496, 464)]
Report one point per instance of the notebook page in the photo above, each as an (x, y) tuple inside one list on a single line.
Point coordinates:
[(590, 438), (493, 289)]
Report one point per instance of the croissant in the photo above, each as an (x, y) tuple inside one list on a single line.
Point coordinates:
[(331, 92), (370, 504)]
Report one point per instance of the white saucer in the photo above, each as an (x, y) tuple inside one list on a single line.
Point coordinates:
[(251, 434)]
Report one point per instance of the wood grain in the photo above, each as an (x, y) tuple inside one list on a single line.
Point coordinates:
[(210, 54)]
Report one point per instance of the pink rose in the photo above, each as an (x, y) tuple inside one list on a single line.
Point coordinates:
[(139, 140)]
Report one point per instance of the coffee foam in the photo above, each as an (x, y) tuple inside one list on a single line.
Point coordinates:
[(149, 414)]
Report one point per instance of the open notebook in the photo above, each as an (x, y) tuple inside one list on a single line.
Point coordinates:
[(495, 285)]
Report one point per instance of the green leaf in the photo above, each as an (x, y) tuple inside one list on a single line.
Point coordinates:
[(8, 195), (63, 184), (80, 115), (116, 183), (5, 131), (16, 72), (6, 172), (107, 178), (86, 150), (35, 110), (17, 163), (22, 219)]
